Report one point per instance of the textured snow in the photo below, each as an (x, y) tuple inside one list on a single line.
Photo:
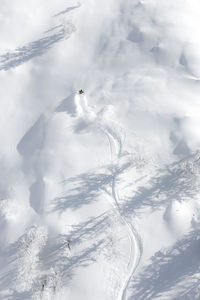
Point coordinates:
[(99, 192)]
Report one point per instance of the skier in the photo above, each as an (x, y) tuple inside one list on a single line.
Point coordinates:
[(80, 103), (44, 284), (68, 245)]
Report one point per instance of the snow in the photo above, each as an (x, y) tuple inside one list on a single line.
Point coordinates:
[(99, 192)]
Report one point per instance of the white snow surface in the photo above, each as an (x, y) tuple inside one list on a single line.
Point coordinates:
[(99, 192)]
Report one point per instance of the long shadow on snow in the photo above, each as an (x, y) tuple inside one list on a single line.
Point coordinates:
[(81, 190), (89, 235), (68, 9), (85, 188), (173, 183), (23, 54), (8, 272), (167, 271)]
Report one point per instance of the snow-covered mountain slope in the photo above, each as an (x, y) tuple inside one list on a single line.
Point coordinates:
[(99, 191)]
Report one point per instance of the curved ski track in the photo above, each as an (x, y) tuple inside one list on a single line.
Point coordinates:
[(135, 240)]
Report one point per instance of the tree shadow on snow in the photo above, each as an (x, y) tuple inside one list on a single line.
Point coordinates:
[(36, 48), (78, 249), (84, 189), (169, 184), (174, 271), (68, 9), (81, 190)]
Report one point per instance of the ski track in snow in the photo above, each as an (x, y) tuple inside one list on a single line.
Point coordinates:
[(144, 61), (111, 130), (135, 252), (113, 133)]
